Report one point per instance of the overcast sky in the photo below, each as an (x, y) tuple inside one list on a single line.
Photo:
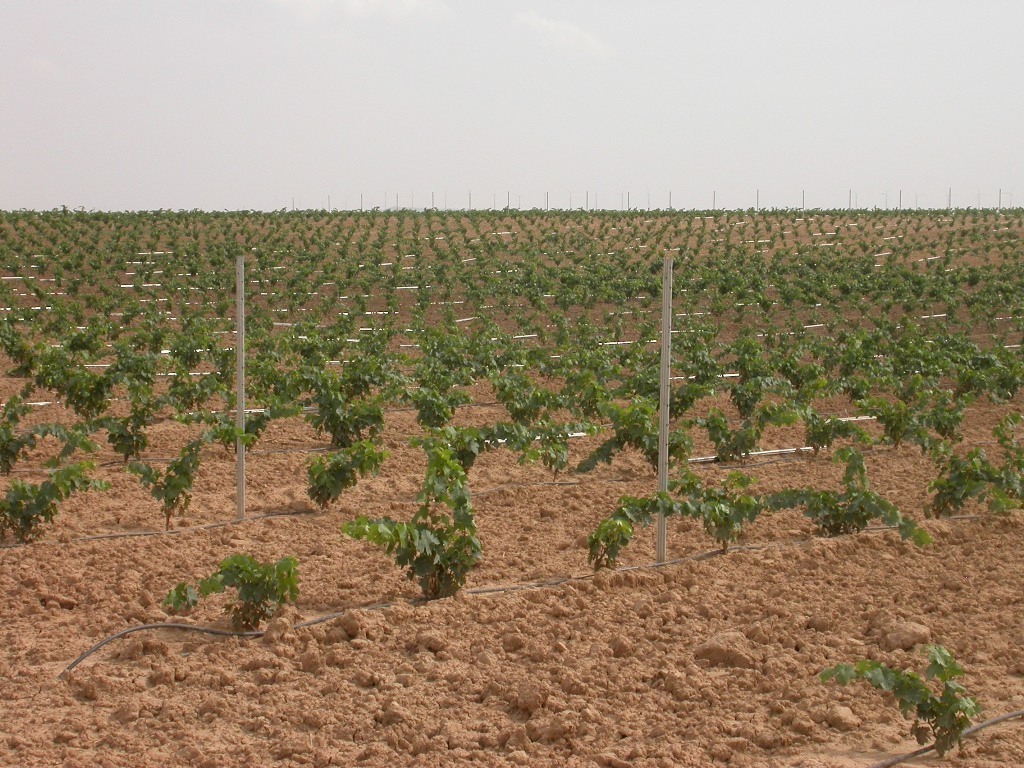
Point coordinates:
[(251, 104)]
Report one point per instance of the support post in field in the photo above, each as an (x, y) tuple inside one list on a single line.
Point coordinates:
[(666, 393), (240, 383)]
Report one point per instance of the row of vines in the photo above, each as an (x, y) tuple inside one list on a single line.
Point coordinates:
[(850, 331)]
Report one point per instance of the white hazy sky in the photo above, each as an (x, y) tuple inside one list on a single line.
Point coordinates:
[(251, 104)]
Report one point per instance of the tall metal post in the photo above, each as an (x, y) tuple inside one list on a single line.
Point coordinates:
[(666, 393), (240, 383)]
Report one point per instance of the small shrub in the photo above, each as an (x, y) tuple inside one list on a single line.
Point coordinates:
[(436, 550), (262, 589), (333, 473), (943, 717), (27, 506)]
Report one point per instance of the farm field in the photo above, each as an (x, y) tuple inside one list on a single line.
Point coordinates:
[(494, 376)]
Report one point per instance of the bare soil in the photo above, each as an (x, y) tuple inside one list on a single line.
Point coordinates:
[(706, 660)]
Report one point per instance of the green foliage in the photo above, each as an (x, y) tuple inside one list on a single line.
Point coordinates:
[(27, 506), (83, 390), (524, 401), (730, 444), (127, 435), (852, 509), (736, 444), (14, 446), (549, 443), (942, 717), (344, 419), (436, 550), (821, 432), (972, 477), (436, 408), (1011, 475), (900, 420), (183, 597), (333, 473), (615, 532), (723, 511), (173, 486), (262, 589), (635, 425), (187, 393)]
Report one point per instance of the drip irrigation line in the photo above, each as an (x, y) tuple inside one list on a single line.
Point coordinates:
[(160, 625), (551, 582), (969, 732)]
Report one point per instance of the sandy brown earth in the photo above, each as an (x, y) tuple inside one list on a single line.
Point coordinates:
[(707, 660)]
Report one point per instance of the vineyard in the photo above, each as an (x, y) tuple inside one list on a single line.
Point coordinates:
[(466, 406)]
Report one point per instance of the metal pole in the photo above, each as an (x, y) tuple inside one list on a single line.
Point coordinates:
[(849, 202), (670, 199), (803, 199), (240, 383), (666, 392), (714, 195)]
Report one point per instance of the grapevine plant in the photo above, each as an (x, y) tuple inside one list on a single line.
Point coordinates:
[(437, 550), (941, 717), (261, 589)]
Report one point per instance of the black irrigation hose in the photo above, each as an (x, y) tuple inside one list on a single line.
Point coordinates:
[(161, 625), (552, 582), (925, 750)]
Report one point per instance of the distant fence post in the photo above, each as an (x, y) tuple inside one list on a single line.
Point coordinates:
[(240, 383), (666, 393)]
